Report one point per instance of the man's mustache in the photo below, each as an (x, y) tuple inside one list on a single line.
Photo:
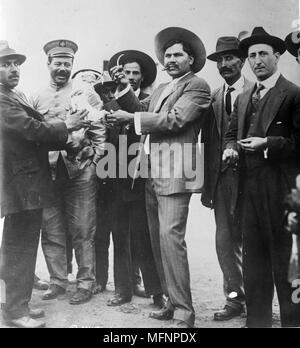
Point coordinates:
[(170, 65), (224, 70), (62, 74)]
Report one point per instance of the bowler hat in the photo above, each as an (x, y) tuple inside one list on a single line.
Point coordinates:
[(226, 44), (147, 64), (292, 42), (260, 36), (7, 52), (175, 33)]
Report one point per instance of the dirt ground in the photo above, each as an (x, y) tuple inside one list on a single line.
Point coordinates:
[(206, 283)]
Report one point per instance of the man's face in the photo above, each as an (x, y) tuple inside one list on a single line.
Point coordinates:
[(177, 62), (107, 94), (134, 74), (230, 67), (298, 58), (60, 69), (263, 60), (10, 73)]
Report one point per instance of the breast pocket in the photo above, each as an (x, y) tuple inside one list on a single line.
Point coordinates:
[(25, 166)]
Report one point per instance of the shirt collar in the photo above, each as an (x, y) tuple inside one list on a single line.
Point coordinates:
[(137, 92), (271, 81), (57, 88), (238, 85)]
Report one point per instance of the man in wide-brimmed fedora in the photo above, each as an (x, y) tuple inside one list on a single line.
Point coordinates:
[(292, 42), (221, 182), (132, 246), (264, 139), (26, 187), (171, 117)]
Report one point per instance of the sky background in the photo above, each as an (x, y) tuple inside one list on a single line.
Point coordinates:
[(103, 27)]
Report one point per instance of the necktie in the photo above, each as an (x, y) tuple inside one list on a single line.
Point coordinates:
[(256, 96), (228, 103)]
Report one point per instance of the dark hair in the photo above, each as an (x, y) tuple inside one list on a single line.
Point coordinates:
[(185, 46)]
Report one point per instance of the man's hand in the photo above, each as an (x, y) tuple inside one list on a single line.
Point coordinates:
[(119, 117), (230, 157), (77, 120), (118, 76), (253, 144)]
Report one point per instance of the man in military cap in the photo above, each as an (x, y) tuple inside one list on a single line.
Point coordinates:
[(264, 141), (172, 115), (74, 175), (26, 187), (221, 182)]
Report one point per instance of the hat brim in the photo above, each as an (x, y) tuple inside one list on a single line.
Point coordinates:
[(148, 66), (215, 56), (176, 33), (20, 57), (96, 72), (99, 87), (291, 45), (273, 41)]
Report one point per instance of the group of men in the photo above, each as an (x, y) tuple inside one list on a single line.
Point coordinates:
[(53, 146)]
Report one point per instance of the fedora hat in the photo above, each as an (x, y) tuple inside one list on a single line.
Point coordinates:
[(7, 52), (292, 42), (260, 36), (146, 63), (226, 44), (175, 33)]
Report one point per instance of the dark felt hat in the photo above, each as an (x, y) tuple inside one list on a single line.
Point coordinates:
[(226, 44), (176, 33), (260, 36), (292, 42), (147, 64)]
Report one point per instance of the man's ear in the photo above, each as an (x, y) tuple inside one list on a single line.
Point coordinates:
[(192, 60)]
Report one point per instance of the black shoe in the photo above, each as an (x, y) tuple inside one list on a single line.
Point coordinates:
[(81, 296), (53, 292), (164, 314), (139, 291), (228, 313), (98, 288), (159, 300), (119, 300), (40, 284)]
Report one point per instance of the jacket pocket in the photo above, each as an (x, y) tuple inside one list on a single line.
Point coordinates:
[(25, 166)]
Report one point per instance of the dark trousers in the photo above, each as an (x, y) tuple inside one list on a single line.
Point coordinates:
[(127, 220), (20, 242), (229, 241), (266, 248)]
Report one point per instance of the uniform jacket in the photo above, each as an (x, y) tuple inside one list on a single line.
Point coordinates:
[(177, 123), (282, 127), (213, 139), (54, 104), (25, 140)]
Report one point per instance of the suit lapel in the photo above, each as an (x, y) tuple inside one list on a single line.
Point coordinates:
[(276, 99), (218, 106), (242, 111)]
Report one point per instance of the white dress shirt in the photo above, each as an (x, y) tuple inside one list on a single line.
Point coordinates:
[(268, 83), (238, 89)]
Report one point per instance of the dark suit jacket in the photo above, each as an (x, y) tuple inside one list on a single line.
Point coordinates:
[(177, 120), (25, 139), (213, 139), (282, 127)]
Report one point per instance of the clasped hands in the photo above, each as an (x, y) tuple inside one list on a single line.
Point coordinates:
[(251, 145)]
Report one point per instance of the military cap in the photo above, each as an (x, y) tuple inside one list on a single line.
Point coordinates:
[(61, 48)]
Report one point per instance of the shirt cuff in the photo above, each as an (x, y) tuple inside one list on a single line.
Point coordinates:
[(137, 123), (118, 94)]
